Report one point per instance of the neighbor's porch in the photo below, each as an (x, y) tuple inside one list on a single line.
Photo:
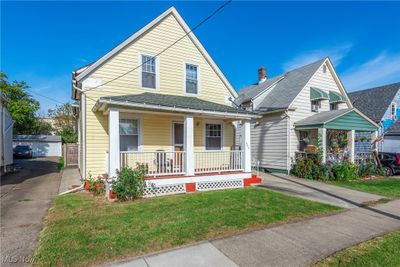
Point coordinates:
[(340, 134)]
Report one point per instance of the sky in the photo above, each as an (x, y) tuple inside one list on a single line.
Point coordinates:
[(43, 42)]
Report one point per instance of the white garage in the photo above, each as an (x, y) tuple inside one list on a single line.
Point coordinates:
[(42, 145), (391, 140)]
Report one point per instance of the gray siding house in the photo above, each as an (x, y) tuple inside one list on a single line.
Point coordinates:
[(299, 109)]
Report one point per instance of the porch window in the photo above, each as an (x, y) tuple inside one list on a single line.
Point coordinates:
[(148, 72), (191, 79), (128, 135), (213, 136)]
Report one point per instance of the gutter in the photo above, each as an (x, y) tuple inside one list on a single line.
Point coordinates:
[(100, 103)]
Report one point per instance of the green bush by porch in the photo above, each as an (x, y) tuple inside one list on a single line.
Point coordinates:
[(83, 230)]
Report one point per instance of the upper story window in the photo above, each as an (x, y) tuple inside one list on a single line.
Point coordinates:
[(128, 135), (393, 112), (191, 79), (315, 105), (334, 106), (213, 136), (149, 74)]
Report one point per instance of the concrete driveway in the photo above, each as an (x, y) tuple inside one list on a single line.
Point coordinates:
[(316, 191), (25, 198)]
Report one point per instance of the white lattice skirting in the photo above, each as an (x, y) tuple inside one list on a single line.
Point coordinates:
[(153, 191), (216, 185)]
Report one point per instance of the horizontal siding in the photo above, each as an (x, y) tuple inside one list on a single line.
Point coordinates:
[(171, 70), (353, 121)]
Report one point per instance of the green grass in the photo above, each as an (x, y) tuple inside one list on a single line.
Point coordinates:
[(60, 164), (380, 251), (81, 230), (388, 187)]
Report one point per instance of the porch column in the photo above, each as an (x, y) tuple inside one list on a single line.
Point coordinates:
[(374, 144), (351, 137), (189, 145), (322, 135), (246, 145), (113, 142)]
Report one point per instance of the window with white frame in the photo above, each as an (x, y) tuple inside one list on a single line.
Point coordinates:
[(213, 136), (128, 135), (191, 79), (394, 111), (149, 72)]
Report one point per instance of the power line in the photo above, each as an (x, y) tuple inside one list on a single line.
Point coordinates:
[(52, 99), (168, 47)]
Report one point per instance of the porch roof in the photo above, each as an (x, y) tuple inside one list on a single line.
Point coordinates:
[(342, 119), (173, 103)]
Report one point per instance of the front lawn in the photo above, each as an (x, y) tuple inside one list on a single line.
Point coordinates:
[(81, 230), (380, 251), (389, 187)]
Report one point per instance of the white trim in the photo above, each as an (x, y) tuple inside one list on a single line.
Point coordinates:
[(322, 134), (200, 178), (113, 142), (188, 137), (246, 145), (83, 104), (146, 28), (221, 122), (174, 109), (157, 62), (187, 62)]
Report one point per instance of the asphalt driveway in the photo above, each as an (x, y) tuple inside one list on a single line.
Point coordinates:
[(25, 198)]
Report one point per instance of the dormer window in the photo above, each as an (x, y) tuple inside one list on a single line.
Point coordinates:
[(315, 105), (149, 72), (191, 79), (393, 109), (334, 106)]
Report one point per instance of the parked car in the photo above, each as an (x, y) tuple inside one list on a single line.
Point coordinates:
[(23, 151), (390, 163)]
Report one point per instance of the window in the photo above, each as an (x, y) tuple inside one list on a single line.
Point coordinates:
[(213, 136), (315, 105), (149, 72), (128, 135), (191, 79), (334, 106), (394, 111)]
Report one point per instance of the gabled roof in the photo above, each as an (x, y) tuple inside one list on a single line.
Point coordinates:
[(288, 86), (394, 129), (86, 70), (322, 117), (374, 102), (163, 102)]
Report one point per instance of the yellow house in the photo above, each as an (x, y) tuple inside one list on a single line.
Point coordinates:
[(159, 100)]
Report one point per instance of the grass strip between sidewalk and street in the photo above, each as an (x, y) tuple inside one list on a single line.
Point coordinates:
[(388, 187), (82, 230), (380, 251)]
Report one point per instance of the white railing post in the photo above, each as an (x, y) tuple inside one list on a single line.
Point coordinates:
[(113, 142), (322, 135), (246, 145), (351, 136), (189, 145)]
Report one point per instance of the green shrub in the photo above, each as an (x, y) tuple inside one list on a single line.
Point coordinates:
[(345, 171), (369, 168), (60, 165), (309, 168), (130, 184)]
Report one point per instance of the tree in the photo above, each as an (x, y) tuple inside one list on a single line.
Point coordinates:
[(21, 105), (64, 122)]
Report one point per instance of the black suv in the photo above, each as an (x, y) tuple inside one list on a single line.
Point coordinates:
[(390, 163)]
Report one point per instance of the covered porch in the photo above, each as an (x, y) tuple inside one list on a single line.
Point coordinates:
[(182, 143), (337, 133)]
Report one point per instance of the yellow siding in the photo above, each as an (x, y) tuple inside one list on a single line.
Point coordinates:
[(171, 70)]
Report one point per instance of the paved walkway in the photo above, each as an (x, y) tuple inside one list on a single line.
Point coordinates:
[(25, 198), (294, 244), (70, 178), (316, 191)]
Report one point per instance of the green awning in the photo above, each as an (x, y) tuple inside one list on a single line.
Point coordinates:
[(316, 94), (336, 97)]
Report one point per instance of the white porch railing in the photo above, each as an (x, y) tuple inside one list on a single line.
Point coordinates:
[(336, 157), (155, 163), (218, 161)]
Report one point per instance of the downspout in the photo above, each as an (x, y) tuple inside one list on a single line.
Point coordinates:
[(288, 142)]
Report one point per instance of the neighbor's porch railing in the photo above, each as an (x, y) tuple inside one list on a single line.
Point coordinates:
[(218, 161), (364, 158), (155, 163)]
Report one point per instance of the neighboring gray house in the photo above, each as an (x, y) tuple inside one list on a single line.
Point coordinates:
[(299, 108), (382, 105)]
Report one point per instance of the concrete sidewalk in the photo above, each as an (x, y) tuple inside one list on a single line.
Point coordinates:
[(296, 244), (70, 178), (316, 191)]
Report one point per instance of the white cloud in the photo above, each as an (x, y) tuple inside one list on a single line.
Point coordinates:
[(381, 70), (336, 54)]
